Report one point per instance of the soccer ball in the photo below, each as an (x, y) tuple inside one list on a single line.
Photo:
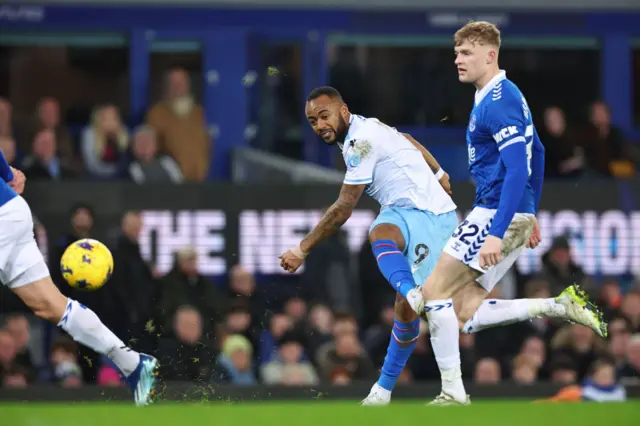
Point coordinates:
[(87, 264)]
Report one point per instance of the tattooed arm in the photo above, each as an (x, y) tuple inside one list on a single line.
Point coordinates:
[(334, 217)]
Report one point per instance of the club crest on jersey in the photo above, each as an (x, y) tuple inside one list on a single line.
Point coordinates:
[(360, 150), (472, 123), (353, 160)]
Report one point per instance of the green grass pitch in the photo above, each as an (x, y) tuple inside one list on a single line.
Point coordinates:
[(320, 413)]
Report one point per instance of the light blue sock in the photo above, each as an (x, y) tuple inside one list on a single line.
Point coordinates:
[(404, 338)]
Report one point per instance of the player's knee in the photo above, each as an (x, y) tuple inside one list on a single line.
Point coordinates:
[(44, 299), (436, 288), (403, 311), (387, 231)]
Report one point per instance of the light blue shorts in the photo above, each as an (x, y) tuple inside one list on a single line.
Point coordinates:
[(425, 235)]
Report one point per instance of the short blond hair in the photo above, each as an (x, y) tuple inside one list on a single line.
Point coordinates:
[(481, 32)]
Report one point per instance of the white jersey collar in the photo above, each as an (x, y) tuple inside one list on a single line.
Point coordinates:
[(480, 94)]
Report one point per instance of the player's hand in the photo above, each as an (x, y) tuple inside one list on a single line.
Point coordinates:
[(445, 183), (491, 252), (292, 259), (18, 181), (535, 237)]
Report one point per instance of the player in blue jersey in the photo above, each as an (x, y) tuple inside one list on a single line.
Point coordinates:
[(506, 160), (24, 271)]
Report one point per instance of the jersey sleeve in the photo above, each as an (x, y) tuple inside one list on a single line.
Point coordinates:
[(361, 159), (506, 121), (5, 170), (537, 168)]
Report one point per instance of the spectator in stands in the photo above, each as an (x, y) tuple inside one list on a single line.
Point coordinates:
[(238, 320), (296, 309), (560, 270), (347, 353), (319, 326), (43, 163), (18, 326), (180, 126), (234, 364), (563, 370), (467, 354), (184, 285), (328, 275), (563, 157), (534, 349), (620, 332), (242, 288), (8, 147), (186, 355), (16, 378), (64, 362), (279, 325), (631, 308), (6, 123), (147, 165), (610, 299), (607, 151), (104, 143), (580, 343), (133, 286), (376, 337), (7, 352), (524, 369), (600, 386), (422, 362), (290, 356), (630, 372), (343, 323), (47, 117), (488, 372), (375, 291)]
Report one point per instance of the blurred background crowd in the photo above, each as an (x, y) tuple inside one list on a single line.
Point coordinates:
[(66, 114)]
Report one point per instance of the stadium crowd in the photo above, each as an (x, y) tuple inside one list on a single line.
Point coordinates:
[(309, 329)]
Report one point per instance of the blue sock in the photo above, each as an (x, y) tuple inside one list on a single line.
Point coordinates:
[(394, 266), (404, 338)]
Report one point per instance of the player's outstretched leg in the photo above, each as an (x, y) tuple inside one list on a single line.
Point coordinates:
[(404, 337), (571, 305), (46, 301)]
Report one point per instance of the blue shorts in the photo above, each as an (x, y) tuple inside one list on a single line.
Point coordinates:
[(425, 236)]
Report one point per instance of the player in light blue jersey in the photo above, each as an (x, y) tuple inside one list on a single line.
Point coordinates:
[(506, 160), (24, 271)]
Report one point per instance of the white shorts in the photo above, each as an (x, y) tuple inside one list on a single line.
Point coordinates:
[(20, 259), (466, 241)]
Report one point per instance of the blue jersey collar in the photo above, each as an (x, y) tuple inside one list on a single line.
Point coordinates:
[(480, 94)]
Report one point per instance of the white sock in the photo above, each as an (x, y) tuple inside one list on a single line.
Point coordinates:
[(445, 340), (85, 327), (493, 313)]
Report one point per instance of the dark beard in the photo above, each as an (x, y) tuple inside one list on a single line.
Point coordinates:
[(341, 131)]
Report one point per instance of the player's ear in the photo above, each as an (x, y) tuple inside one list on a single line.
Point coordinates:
[(344, 110), (493, 55)]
